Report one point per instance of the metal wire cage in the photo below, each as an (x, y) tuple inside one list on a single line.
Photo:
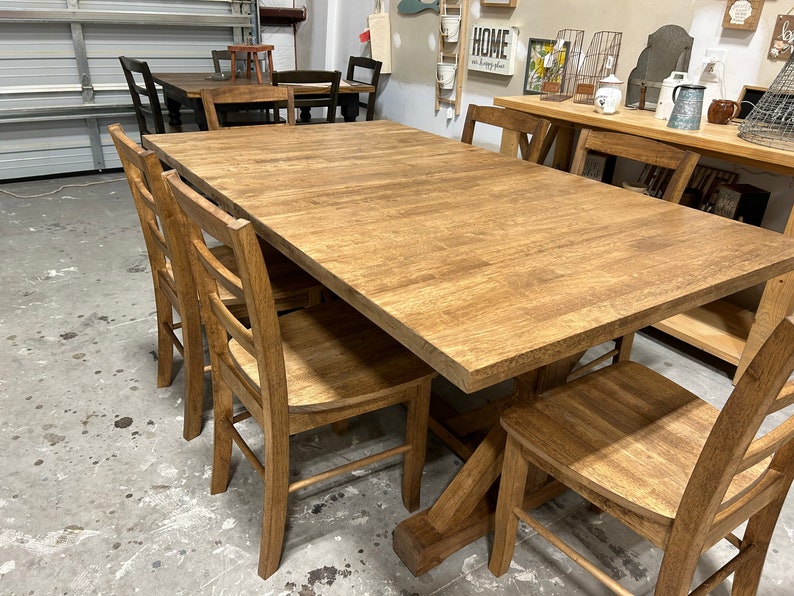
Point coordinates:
[(600, 60), (771, 121)]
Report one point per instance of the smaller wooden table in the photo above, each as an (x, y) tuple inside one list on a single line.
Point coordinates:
[(184, 89), (252, 55)]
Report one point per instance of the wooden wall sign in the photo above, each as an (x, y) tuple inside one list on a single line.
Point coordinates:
[(492, 48), (742, 14), (782, 38)]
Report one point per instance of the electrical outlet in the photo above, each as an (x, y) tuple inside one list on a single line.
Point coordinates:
[(715, 55), (450, 113)]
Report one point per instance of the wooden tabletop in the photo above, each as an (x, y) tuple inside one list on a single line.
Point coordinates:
[(190, 84), (486, 267), (715, 140)]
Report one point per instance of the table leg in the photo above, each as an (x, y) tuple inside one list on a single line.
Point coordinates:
[(463, 513), (305, 114), (174, 108), (233, 55)]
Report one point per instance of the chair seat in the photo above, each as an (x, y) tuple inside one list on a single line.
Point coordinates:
[(334, 358), (609, 434)]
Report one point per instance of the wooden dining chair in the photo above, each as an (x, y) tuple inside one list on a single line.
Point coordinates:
[(356, 65), (174, 288), (673, 468), (521, 132), (220, 58), (679, 162), (327, 96), (647, 151), (292, 373), (146, 99), (243, 105)]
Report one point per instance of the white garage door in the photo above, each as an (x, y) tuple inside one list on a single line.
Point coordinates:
[(60, 79)]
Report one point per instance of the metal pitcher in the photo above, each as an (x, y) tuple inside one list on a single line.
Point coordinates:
[(687, 108)]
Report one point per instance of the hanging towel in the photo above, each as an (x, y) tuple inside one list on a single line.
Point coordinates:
[(380, 36)]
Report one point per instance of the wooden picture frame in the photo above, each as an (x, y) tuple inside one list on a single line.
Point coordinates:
[(742, 14), (781, 47), (748, 97), (546, 62), (499, 3)]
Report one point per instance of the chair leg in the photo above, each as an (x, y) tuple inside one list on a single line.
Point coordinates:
[(758, 533), (165, 345), (416, 437), (511, 494), (274, 511), (222, 435), (194, 378)]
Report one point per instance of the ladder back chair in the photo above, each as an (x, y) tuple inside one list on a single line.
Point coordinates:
[(172, 278), (681, 164), (667, 464), (305, 369), (246, 105), (146, 98), (327, 96), (521, 132), (356, 65)]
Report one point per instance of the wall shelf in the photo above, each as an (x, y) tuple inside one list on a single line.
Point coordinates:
[(452, 52)]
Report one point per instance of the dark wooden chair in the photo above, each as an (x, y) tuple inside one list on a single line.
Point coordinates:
[(293, 373), (246, 105), (520, 131), (670, 466), (357, 67), (146, 99), (327, 97), (174, 287), (222, 60)]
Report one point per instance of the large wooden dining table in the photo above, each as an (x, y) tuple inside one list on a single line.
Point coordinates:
[(487, 268), (183, 89)]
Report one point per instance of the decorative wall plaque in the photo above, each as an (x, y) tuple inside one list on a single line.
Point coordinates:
[(782, 38), (492, 48), (742, 14)]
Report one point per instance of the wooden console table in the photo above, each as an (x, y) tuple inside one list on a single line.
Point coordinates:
[(731, 333)]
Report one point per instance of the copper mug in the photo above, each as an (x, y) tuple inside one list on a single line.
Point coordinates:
[(722, 111)]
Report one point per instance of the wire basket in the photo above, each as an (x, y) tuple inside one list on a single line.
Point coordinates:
[(771, 121), (568, 52), (600, 61)]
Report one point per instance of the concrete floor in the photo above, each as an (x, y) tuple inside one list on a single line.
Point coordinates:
[(100, 494)]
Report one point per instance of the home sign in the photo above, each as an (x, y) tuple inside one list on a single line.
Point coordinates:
[(492, 48)]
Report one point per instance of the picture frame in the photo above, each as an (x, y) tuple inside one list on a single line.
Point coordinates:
[(742, 14), (546, 62), (499, 3), (748, 97)]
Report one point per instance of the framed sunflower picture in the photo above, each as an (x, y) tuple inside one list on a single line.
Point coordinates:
[(546, 60)]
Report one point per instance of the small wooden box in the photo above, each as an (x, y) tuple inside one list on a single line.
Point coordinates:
[(743, 202)]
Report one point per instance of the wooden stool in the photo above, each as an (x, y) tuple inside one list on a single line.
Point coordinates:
[(252, 54)]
